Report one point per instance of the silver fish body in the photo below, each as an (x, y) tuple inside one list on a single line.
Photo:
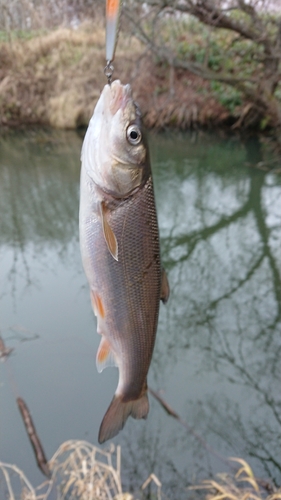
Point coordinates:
[(120, 250)]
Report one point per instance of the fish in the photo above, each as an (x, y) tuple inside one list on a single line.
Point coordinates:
[(119, 242)]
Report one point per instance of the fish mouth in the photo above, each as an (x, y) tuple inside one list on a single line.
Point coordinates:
[(119, 96)]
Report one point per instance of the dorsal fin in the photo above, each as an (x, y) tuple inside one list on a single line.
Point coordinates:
[(109, 235)]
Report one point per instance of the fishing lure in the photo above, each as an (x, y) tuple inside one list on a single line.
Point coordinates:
[(113, 12)]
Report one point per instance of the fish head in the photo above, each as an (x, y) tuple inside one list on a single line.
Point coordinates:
[(115, 151)]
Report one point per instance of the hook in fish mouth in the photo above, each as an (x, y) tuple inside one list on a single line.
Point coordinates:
[(108, 71)]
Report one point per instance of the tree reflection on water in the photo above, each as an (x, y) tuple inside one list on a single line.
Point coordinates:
[(39, 176), (217, 354), (226, 303)]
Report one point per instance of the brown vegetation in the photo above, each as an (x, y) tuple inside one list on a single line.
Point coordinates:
[(47, 79), (82, 471), (192, 63), (55, 79), (236, 45), (175, 98), (241, 486)]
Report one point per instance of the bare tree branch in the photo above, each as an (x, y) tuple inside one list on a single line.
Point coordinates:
[(252, 46)]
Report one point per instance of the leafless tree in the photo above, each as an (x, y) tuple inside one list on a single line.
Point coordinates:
[(248, 35)]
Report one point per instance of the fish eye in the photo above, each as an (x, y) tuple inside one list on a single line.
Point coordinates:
[(133, 135)]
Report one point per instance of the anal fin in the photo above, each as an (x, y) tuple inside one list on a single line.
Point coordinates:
[(97, 304), (105, 357)]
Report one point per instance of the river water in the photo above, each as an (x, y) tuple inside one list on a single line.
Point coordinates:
[(217, 355)]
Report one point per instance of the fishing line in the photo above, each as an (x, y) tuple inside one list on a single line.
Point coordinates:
[(188, 427)]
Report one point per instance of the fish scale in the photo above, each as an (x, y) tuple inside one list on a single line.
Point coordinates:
[(139, 287)]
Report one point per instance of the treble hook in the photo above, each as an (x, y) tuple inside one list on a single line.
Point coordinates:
[(108, 71)]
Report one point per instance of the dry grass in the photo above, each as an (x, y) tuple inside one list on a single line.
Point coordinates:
[(242, 486), (79, 471), (48, 82), (87, 472), (56, 79)]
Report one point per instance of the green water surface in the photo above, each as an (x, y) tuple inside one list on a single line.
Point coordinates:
[(217, 354)]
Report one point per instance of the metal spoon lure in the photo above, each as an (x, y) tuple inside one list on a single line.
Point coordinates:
[(113, 11)]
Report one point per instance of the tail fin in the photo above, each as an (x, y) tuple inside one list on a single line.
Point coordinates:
[(117, 414)]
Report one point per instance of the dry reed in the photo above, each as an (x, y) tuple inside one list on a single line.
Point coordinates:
[(79, 470), (242, 486)]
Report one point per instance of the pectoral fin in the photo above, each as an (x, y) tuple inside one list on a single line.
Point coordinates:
[(165, 289), (105, 355), (109, 235)]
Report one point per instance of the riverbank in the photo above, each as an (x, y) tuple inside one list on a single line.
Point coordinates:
[(55, 78)]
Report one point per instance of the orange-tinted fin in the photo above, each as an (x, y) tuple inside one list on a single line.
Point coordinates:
[(117, 414), (97, 304), (109, 235), (105, 355), (165, 289)]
